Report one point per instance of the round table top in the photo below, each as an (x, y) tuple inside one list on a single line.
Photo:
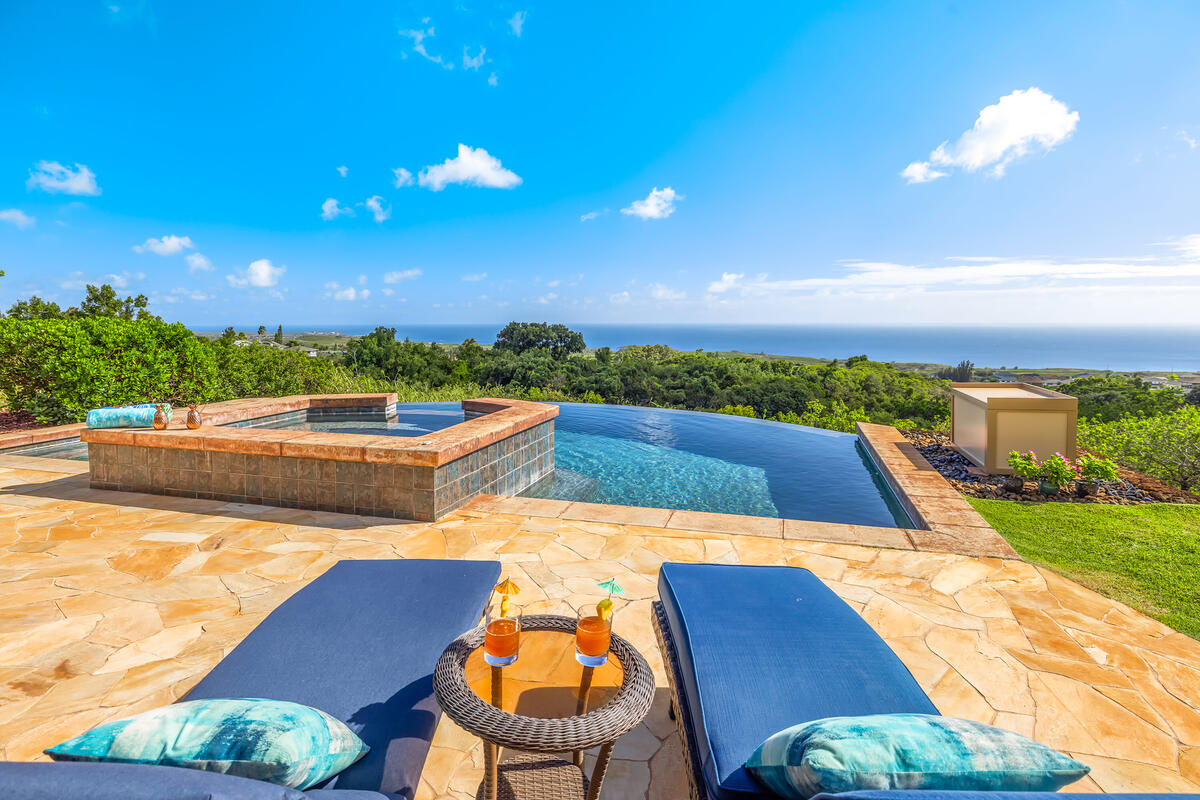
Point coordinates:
[(539, 708), (545, 680)]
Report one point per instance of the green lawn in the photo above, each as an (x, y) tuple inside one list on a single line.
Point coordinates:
[(1145, 556)]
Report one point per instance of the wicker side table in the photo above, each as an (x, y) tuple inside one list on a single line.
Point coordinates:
[(539, 775)]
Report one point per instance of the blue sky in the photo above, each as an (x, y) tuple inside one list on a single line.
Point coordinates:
[(606, 162)]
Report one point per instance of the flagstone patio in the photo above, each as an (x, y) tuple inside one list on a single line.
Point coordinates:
[(112, 603)]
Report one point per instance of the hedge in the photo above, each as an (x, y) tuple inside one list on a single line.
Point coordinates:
[(58, 369)]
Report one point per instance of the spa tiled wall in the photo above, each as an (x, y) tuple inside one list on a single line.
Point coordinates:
[(350, 487)]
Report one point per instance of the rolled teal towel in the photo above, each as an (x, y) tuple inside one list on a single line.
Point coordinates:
[(140, 416)]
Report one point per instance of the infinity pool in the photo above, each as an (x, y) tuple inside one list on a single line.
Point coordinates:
[(660, 458)]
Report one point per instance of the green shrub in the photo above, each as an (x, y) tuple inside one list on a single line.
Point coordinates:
[(836, 417), (58, 369), (1109, 397), (738, 411), (1057, 470), (1024, 465), (1166, 446), (1092, 468), (259, 371)]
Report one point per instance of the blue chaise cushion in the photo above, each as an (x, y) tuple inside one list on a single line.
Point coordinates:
[(360, 643), (764, 648), (906, 751), (47, 780), (268, 740)]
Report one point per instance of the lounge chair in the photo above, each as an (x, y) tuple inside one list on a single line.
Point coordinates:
[(753, 650), (360, 643)]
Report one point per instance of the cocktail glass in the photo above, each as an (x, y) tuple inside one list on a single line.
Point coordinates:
[(593, 633), (501, 637)]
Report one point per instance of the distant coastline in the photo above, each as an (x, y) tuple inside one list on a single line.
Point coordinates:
[(1049, 349)]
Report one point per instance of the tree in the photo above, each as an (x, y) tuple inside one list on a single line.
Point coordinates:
[(519, 337), (102, 301), (262, 330), (35, 308), (960, 374), (1110, 397), (1193, 396), (279, 334)]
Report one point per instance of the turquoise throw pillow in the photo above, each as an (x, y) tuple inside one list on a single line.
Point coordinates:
[(906, 751), (269, 740)]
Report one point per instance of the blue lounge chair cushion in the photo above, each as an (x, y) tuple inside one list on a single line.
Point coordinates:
[(360, 643), (906, 751), (96, 781), (764, 648), (268, 740)]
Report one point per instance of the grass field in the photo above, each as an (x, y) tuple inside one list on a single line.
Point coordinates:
[(1145, 556)]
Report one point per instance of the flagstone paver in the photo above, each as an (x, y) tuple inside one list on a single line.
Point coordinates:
[(112, 603)]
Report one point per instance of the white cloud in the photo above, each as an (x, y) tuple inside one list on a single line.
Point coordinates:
[(166, 246), (53, 177), (345, 293), (517, 22), (377, 207), (73, 281), (620, 298), (198, 262), (660, 292), (16, 216), (1189, 140), (1130, 290), (659, 204), (921, 172), (729, 280), (343, 171), (553, 283), (1189, 246), (475, 167), (1012, 127), (402, 275), (546, 299), (194, 295), (1027, 274), (401, 177), (591, 215), (418, 39), (121, 281), (493, 80), (331, 209), (362, 280), (389, 292), (260, 274), (473, 63), (475, 277)]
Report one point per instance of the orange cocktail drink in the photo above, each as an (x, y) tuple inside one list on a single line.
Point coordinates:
[(501, 639), (593, 633)]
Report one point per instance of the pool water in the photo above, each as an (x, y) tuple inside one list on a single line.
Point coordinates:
[(415, 419), (662, 458)]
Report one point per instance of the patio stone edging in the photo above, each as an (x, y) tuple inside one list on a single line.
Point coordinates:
[(945, 521)]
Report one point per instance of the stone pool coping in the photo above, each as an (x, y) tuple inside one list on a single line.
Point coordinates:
[(500, 419), (946, 522)]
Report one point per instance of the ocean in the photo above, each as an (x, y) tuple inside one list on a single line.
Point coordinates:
[(1119, 349)]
